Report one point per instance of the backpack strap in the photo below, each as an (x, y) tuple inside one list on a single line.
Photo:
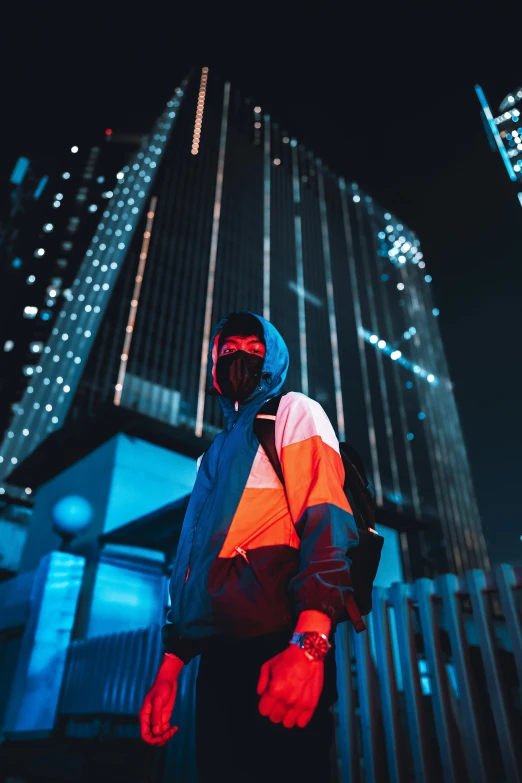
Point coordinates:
[(354, 613), (264, 428)]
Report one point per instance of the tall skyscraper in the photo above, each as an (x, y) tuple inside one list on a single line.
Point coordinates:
[(505, 133), (221, 209)]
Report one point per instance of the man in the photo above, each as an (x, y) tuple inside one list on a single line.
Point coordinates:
[(260, 579)]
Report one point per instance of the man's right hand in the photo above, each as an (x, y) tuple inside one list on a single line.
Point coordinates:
[(158, 704)]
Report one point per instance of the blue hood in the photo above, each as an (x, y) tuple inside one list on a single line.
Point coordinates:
[(275, 368)]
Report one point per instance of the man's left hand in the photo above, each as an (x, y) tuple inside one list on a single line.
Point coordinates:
[(290, 686)]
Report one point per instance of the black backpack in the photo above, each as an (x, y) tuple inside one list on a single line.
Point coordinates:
[(366, 555)]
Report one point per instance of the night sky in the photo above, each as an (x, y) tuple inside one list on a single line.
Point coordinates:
[(384, 95)]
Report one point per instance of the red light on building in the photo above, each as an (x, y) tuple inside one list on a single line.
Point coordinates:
[(108, 132)]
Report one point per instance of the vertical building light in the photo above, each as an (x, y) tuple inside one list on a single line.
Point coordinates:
[(212, 261), (199, 111), (303, 356), (331, 306), (266, 220), (135, 300), (360, 343)]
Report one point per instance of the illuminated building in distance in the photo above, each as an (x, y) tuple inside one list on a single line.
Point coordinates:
[(43, 240), (505, 133), (221, 209)]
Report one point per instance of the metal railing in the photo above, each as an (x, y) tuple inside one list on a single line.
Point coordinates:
[(431, 692)]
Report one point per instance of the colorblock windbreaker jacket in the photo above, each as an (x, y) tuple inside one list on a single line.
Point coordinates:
[(252, 555)]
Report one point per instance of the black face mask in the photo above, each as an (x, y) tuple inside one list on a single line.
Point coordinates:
[(238, 374)]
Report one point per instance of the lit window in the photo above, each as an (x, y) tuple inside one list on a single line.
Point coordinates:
[(25, 432), (48, 407), (77, 360), (381, 344), (36, 347), (400, 286), (421, 416), (67, 388), (356, 199), (54, 419), (257, 109), (74, 149), (430, 378), (410, 435), (436, 311), (66, 175), (40, 252), (93, 208), (395, 355), (30, 312), (56, 204), (28, 490), (48, 227), (428, 278), (120, 175), (8, 346), (402, 259)]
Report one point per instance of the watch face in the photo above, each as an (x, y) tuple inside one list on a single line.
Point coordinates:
[(316, 646)]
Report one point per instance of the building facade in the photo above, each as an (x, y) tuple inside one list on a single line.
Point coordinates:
[(505, 133), (43, 239), (220, 209)]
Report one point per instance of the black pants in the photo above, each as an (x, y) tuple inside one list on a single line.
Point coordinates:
[(234, 742)]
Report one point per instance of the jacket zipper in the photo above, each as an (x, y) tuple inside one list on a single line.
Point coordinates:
[(243, 554), (187, 573)]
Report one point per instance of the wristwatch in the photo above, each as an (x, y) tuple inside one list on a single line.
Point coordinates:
[(315, 645)]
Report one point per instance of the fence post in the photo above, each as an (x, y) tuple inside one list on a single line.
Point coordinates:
[(440, 699), (401, 597), (33, 700), (448, 588), (477, 584), (388, 684), (505, 579), (348, 751)]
